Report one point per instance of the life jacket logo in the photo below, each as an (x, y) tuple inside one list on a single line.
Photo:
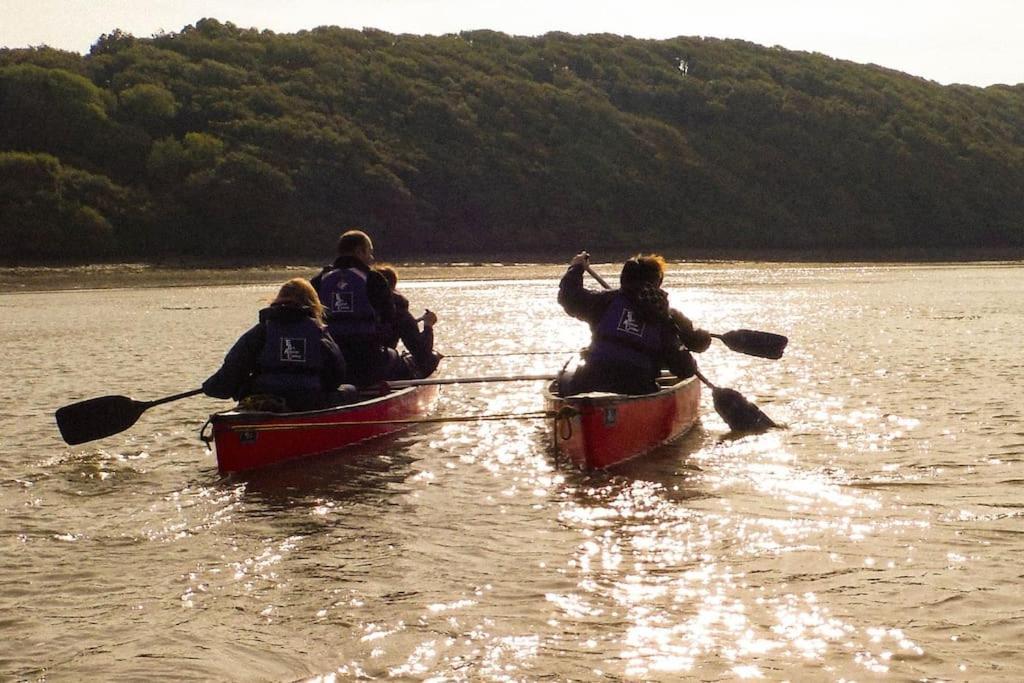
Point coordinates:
[(629, 324), (343, 302), (293, 350)]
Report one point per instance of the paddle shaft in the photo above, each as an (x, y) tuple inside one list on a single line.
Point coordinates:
[(600, 280), (168, 399), (403, 383), (702, 378), (501, 354)]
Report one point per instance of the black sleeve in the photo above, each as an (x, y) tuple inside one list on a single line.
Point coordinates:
[(318, 278), (239, 364), (419, 344), (379, 292), (335, 371), (694, 338), (580, 302)]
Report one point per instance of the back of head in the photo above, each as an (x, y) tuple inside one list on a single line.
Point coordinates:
[(389, 273), (299, 293), (642, 270), (351, 240)]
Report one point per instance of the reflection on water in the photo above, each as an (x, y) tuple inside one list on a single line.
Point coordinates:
[(692, 583), (876, 536)]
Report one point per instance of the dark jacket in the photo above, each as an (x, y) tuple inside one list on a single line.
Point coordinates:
[(419, 344), (377, 288), (303, 379), (367, 356), (635, 370)]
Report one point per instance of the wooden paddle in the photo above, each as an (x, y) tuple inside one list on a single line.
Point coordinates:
[(735, 410), (750, 342), (96, 418)]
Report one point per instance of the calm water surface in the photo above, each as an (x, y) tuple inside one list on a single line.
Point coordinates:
[(877, 538)]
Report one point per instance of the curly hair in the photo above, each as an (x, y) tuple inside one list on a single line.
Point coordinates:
[(642, 269)]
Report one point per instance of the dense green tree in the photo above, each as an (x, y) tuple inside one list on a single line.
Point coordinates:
[(51, 110), (226, 142), (48, 209), (150, 106)]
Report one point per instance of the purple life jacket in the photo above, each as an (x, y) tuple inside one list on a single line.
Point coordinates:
[(622, 338), (292, 357), (347, 305)]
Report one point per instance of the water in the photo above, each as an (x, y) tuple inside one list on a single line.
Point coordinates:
[(878, 537)]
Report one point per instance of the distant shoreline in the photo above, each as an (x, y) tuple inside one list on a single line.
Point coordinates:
[(184, 273)]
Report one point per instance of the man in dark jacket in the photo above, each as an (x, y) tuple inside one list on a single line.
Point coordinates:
[(634, 332), (359, 308)]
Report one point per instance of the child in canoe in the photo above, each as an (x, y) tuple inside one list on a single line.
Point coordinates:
[(421, 360)]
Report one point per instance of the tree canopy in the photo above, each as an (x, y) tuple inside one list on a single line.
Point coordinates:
[(224, 142)]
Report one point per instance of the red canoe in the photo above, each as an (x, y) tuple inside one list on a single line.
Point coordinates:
[(598, 430), (247, 440)]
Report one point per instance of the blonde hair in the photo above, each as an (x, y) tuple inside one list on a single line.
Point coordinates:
[(299, 292)]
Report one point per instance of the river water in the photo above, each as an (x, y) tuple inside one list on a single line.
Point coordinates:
[(878, 537)]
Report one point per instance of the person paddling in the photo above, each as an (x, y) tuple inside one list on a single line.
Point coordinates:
[(634, 331), (358, 306), (287, 361), (421, 360)]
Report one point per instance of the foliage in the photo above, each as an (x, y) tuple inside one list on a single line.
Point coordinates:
[(49, 209), (225, 142)]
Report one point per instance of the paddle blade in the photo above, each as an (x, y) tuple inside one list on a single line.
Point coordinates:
[(755, 343), (96, 418), (740, 414)]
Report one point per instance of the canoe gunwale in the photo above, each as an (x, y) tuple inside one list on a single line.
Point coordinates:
[(246, 440), (235, 415)]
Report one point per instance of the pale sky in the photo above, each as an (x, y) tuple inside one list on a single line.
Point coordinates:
[(977, 42)]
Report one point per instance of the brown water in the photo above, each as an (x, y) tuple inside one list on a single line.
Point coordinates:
[(878, 537)]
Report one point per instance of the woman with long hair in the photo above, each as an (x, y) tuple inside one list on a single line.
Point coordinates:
[(287, 361)]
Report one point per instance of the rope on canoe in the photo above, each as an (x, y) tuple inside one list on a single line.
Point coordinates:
[(532, 415), (563, 421)]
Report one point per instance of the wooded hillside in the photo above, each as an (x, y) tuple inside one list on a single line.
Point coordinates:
[(221, 142)]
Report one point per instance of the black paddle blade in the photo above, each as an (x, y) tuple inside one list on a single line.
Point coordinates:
[(96, 418), (740, 414), (756, 343)]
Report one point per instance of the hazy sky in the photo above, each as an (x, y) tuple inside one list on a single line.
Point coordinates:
[(979, 42)]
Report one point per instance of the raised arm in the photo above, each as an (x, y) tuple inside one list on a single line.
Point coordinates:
[(577, 300)]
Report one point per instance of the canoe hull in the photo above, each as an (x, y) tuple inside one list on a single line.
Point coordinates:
[(248, 440), (596, 431)]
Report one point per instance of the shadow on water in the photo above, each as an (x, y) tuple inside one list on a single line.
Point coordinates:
[(360, 473)]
